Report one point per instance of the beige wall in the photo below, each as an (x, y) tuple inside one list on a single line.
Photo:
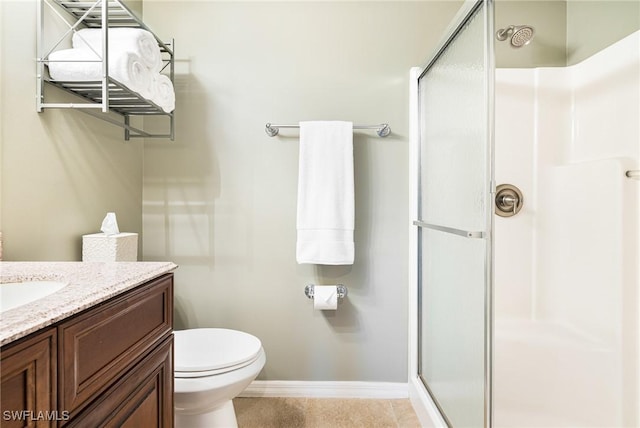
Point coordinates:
[(1, 126), (61, 170), (548, 48), (567, 31), (594, 25), (221, 200)]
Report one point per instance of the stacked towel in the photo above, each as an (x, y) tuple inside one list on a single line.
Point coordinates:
[(138, 41), (134, 60), (163, 94), (125, 67), (325, 194)]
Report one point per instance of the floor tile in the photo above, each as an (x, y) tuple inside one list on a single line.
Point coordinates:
[(270, 412), (354, 413), (324, 413), (405, 415)]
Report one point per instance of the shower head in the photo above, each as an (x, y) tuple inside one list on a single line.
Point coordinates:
[(520, 35)]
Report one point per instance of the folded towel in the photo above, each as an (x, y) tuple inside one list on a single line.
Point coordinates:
[(133, 40), (125, 67), (325, 194), (162, 92)]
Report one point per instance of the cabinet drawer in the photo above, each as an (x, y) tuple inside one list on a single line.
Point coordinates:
[(142, 398), (97, 347)]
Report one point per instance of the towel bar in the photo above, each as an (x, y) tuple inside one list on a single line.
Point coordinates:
[(382, 130), (342, 291)]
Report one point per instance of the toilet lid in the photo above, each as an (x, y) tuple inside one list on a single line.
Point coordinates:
[(206, 349)]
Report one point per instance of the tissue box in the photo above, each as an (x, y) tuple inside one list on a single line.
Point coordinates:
[(98, 247)]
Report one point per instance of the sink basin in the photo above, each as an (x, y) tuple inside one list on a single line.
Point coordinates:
[(14, 294)]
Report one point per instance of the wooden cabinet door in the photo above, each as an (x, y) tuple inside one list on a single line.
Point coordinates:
[(100, 345), (142, 398), (29, 382)]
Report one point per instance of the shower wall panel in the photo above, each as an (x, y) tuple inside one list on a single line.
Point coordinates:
[(567, 266)]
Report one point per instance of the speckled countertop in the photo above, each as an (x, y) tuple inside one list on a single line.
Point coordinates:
[(89, 284)]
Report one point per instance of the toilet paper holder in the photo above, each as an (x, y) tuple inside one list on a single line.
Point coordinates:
[(342, 291)]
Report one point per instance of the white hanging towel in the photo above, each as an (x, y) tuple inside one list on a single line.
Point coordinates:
[(325, 194)]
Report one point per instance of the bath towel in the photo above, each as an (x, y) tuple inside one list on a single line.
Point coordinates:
[(325, 220), (76, 65), (136, 40), (162, 93)]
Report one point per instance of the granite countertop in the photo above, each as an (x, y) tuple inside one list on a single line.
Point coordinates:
[(89, 284)]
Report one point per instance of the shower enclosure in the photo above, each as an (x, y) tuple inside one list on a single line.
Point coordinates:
[(526, 221)]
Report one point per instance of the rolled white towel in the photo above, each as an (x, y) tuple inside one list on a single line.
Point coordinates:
[(135, 40), (125, 67), (163, 93)]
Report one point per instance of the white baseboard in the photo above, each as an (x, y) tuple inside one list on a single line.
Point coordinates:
[(311, 389)]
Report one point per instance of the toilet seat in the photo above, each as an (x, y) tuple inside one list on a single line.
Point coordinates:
[(211, 351)]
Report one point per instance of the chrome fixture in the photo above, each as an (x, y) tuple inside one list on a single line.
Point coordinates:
[(520, 35), (342, 291), (382, 130), (454, 231), (509, 200), (634, 173)]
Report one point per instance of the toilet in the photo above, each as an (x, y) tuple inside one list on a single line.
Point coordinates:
[(211, 367)]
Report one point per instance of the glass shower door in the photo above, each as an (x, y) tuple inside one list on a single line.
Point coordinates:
[(454, 237)]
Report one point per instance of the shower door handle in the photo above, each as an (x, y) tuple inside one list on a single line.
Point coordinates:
[(454, 231)]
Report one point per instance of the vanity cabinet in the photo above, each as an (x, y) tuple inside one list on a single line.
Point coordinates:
[(28, 386), (113, 363), (143, 397)]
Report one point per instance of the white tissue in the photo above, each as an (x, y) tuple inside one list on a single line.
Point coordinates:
[(110, 225), (325, 297)]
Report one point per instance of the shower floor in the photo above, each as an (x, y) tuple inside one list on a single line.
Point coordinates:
[(548, 375)]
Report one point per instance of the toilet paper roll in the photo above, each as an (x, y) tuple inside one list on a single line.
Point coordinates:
[(325, 297)]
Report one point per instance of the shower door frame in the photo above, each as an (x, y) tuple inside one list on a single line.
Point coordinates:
[(421, 397)]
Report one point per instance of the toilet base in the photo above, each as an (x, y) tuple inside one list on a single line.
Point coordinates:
[(221, 417)]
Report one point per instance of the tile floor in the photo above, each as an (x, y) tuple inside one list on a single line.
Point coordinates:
[(324, 413)]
